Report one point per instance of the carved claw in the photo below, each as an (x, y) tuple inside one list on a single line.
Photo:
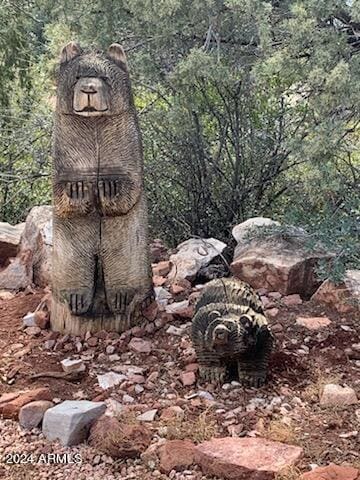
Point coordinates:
[(108, 189), (79, 301), (254, 380), (118, 301), (212, 374), (77, 191)]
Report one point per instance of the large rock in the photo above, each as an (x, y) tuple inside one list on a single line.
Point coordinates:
[(277, 263), (236, 458), (37, 238), (241, 231), (9, 241), (332, 472), (11, 403), (33, 261), (192, 255), (345, 298), (118, 439), (70, 421)]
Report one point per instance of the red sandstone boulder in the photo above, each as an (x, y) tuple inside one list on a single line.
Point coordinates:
[(233, 458), (11, 403), (117, 439), (332, 472), (277, 263), (176, 455), (345, 298)]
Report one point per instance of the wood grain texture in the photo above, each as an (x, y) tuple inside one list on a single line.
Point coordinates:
[(101, 270), (229, 329)]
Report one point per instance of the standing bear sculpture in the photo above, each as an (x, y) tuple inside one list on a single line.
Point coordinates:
[(101, 278)]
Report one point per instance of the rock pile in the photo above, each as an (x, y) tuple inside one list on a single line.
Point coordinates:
[(135, 396), (30, 262)]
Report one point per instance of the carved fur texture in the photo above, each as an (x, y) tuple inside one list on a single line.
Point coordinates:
[(101, 268), (231, 334)]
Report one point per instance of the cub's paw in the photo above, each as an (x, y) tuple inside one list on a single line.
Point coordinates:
[(119, 301), (212, 374), (253, 380), (79, 301)]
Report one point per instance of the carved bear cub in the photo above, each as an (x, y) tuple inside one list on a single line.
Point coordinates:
[(101, 269), (230, 332)]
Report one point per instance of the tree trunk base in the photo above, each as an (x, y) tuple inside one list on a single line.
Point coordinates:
[(62, 320)]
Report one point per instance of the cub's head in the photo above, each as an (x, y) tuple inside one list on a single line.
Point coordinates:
[(232, 333), (93, 83)]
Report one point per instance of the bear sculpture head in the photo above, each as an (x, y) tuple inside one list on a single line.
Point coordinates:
[(92, 83)]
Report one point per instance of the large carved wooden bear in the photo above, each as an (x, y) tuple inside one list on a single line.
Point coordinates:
[(101, 270)]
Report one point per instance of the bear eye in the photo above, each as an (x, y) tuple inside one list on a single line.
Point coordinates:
[(245, 321)]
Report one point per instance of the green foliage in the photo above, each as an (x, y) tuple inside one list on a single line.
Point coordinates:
[(246, 107)]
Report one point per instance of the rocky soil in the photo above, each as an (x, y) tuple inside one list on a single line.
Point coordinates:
[(158, 387)]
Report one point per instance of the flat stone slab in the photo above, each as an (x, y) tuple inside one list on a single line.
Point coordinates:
[(176, 307), (313, 323), (110, 379), (234, 458), (336, 395), (332, 472), (70, 365), (70, 421), (140, 345), (148, 416)]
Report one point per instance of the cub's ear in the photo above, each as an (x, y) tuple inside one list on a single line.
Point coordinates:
[(117, 53), (214, 314), (70, 51)]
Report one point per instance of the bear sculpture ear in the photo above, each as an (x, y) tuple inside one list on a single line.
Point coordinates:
[(70, 51), (117, 53)]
